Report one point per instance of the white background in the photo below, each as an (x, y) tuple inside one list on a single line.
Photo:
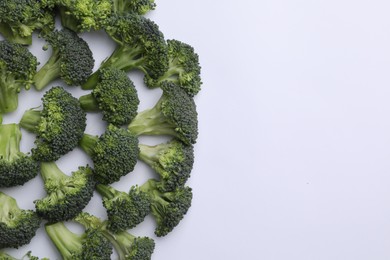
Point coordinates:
[(292, 161)]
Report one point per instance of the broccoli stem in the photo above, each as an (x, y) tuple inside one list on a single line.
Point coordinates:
[(49, 72), (65, 241), (106, 191), (8, 205), (150, 154), (10, 136), (8, 94), (50, 171), (87, 143), (30, 120), (88, 103), (9, 34)]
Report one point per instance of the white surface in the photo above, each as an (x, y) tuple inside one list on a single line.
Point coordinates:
[(292, 160)]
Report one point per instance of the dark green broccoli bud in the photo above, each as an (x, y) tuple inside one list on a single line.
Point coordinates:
[(114, 95), (84, 15), (168, 208), (124, 210), (114, 153), (17, 69), (183, 70), (173, 161), (17, 226), (59, 125), (67, 195), (20, 18), (141, 46), (140, 7), (128, 246), (71, 60), (91, 245), (16, 168), (174, 114)]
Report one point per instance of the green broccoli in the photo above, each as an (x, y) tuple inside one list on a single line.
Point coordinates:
[(84, 15), (114, 153), (16, 168), (28, 256), (174, 114), (140, 45), (17, 69), (20, 18), (91, 245), (183, 70), (67, 195), (71, 60), (17, 226), (140, 7), (59, 125), (173, 161), (124, 210), (128, 246), (114, 95)]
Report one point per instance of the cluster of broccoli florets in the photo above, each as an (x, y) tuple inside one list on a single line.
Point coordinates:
[(59, 126)]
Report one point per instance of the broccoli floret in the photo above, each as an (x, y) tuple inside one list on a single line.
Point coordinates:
[(16, 168), (71, 60), (91, 245), (173, 161), (140, 7), (124, 210), (168, 208), (114, 95), (59, 125), (141, 46), (84, 15), (183, 70), (114, 153), (20, 18), (17, 69), (67, 195), (128, 246), (174, 114), (17, 226)]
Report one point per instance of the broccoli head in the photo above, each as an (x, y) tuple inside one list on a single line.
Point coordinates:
[(140, 7), (17, 69), (71, 60), (114, 95), (140, 45), (17, 226), (16, 168), (173, 161), (20, 18), (59, 125), (174, 114), (90, 245), (183, 70), (124, 210), (114, 153), (66, 195)]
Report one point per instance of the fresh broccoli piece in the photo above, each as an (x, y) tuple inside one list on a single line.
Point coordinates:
[(71, 60), (17, 69), (124, 210), (114, 95), (59, 125), (16, 168), (168, 208), (174, 114), (17, 226), (128, 246), (84, 15), (183, 70), (140, 7), (91, 245), (173, 161), (114, 153), (20, 18), (67, 195), (141, 46)]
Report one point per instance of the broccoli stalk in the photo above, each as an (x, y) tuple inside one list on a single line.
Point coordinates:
[(17, 226), (89, 245), (16, 168)]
